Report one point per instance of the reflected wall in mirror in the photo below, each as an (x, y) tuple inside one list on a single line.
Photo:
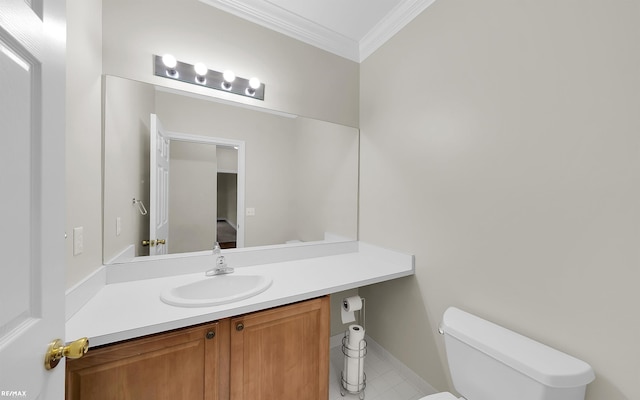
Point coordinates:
[(300, 175)]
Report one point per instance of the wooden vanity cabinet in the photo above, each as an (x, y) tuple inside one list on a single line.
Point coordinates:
[(183, 364), (280, 353)]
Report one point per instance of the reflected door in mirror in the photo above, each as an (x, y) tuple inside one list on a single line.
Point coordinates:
[(159, 188)]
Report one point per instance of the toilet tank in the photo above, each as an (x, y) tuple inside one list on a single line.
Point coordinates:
[(489, 362)]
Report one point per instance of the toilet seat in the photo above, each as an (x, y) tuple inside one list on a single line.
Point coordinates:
[(440, 396)]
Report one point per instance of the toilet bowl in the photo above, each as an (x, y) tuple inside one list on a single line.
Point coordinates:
[(489, 362)]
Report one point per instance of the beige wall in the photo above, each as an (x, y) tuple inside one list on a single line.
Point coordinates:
[(83, 136), (127, 108), (299, 78), (227, 159), (324, 179), (193, 183), (510, 167), (227, 192), (228, 197)]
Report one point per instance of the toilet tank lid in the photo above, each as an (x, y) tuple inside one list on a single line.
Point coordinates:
[(536, 360)]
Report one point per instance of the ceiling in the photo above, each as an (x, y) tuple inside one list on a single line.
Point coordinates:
[(352, 29)]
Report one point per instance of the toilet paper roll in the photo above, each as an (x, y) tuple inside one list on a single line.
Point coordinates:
[(349, 306), (354, 359), (355, 334)]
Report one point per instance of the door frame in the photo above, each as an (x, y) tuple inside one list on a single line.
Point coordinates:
[(238, 145)]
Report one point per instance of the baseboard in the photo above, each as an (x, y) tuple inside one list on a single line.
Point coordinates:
[(381, 352), (125, 255)]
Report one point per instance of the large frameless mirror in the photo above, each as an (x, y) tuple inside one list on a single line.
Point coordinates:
[(183, 171)]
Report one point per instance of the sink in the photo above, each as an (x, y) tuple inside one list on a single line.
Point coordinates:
[(215, 290)]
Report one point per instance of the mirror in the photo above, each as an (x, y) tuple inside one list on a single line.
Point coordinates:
[(267, 177)]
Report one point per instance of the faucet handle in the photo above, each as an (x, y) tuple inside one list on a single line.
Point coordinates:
[(221, 262)]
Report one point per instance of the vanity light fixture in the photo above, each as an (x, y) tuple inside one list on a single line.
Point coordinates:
[(167, 66)]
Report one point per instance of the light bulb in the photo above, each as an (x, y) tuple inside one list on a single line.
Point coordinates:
[(201, 72), (229, 76), (200, 69), (254, 83), (169, 61)]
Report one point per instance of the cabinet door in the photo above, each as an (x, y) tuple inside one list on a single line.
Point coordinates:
[(282, 353), (182, 364)]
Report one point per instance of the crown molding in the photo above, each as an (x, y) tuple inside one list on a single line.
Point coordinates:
[(391, 24), (290, 24), (280, 20)]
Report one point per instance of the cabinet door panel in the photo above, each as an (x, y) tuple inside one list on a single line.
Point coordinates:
[(176, 365), (281, 353)]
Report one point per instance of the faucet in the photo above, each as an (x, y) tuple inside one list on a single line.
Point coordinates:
[(221, 267)]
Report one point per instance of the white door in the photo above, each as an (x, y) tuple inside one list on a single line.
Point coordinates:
[(32, 94), (159, 189)]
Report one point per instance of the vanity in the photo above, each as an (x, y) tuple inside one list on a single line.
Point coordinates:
[(274, 344), (286, 184), (278, 353)]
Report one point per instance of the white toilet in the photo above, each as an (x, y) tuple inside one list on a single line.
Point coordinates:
[(489, 362)]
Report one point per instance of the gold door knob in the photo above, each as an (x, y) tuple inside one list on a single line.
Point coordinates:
[(57, 350), (161, 241), (149, 243)]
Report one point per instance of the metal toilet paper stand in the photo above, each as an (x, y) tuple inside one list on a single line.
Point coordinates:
[(358, 354)]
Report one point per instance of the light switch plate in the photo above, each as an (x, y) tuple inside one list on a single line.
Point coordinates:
[(77, 241)]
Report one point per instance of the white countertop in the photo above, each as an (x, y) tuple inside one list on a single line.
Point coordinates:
[(124, 310)]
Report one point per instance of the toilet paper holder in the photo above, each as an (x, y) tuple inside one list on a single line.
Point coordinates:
[(353, 365), (354, 360), (352, 310)]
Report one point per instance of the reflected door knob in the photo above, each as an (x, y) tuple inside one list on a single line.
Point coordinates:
[(161, 241), (57, 350)]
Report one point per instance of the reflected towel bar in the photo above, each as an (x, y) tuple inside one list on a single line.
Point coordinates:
[(141, 206)]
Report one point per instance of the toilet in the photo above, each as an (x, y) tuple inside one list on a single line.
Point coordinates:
[(489, 362)]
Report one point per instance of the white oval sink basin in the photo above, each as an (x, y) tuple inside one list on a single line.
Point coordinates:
[(215, 290)]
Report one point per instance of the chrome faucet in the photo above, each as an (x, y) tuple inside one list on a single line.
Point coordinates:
[(221, 267)]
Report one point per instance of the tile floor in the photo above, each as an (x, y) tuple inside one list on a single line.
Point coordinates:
[(383, 381)]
